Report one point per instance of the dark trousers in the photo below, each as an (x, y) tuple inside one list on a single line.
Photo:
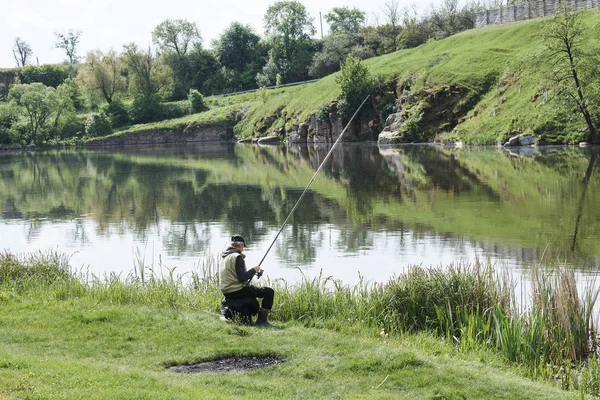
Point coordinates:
[(264, 293)]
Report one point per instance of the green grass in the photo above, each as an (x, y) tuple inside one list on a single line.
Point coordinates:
[(113, 337)]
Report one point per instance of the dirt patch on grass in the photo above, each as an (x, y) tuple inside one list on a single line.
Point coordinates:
[(228, 364)]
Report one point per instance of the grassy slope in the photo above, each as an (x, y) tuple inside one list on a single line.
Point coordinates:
[(73, 347), (498, 63)]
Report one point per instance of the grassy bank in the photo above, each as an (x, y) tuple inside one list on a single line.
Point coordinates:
[(113, 337), (480, 86)]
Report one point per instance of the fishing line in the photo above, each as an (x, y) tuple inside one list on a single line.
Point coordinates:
[(313, 178)]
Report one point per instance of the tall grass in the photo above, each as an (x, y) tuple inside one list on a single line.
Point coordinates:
[(472, 306)]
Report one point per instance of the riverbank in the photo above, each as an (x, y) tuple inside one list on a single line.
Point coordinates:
[(481, 86), (115, 337)]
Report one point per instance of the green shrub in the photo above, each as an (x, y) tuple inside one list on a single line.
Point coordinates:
[(196, 100), (147, 109), (73, 126), (48, 74), (118, 113), (175, 110), (355, 82), (98, 124)]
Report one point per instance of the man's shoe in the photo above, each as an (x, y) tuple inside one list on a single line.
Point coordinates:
[(262, 319)]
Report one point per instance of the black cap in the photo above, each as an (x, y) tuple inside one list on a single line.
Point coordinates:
[(238, 238)]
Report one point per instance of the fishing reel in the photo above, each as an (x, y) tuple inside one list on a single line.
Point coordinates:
[(259, 274)]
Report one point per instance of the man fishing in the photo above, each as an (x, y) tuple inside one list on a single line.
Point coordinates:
[(234, 280)]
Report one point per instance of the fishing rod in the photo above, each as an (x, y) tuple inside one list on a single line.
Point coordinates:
[(310, 183)]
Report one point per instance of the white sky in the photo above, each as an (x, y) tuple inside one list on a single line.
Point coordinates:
[(110, 24)]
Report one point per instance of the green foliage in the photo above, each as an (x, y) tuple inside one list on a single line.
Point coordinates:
[(147, 109), (38, 103), (238, 50), (411, 130), (345, 20), (102, 73), (73, 91), (8, 117), (335, 50), (48, 74), (289, 27), (177, 36), (196, 100), (118, 113), (355, 83), (98, 124), (149, 76)]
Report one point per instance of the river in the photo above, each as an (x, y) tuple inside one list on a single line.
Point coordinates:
[(371, 213)]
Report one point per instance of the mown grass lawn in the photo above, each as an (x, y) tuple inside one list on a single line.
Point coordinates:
[(81, 348)]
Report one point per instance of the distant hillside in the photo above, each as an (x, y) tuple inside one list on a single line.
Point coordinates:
[(480, 86)]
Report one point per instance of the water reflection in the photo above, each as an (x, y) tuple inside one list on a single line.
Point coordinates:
[(372, 210)]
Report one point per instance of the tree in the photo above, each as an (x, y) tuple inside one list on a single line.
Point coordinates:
[(177, 35), (345, 20), (68, 42), (335, 50), (450, 19), (102, 72), (355, 83), (288, 23), (392, 16), (572, 70), (37, 103), (22, 52), (148, 75), (236, 46)]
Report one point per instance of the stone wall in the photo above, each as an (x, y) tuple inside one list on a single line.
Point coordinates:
[(212, 133), (529, 10)]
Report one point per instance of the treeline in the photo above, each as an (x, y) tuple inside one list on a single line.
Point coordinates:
[(50, 102)]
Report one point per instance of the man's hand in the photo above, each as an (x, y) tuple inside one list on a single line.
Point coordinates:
[(256, 269)]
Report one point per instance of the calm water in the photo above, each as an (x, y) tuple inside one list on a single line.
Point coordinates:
[(371, 213)]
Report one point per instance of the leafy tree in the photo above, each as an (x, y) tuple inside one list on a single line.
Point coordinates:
[(68, 42), (238, 50), (22, 52), (413, 33), (355, 83), (236, 46), (37, 103), (574, 72), (177, 35), (149, 76), (102, 72), (450, 19), (335, 50), (268, 76), (208, 76), (289, 27), (345, 20), (48, 74)]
